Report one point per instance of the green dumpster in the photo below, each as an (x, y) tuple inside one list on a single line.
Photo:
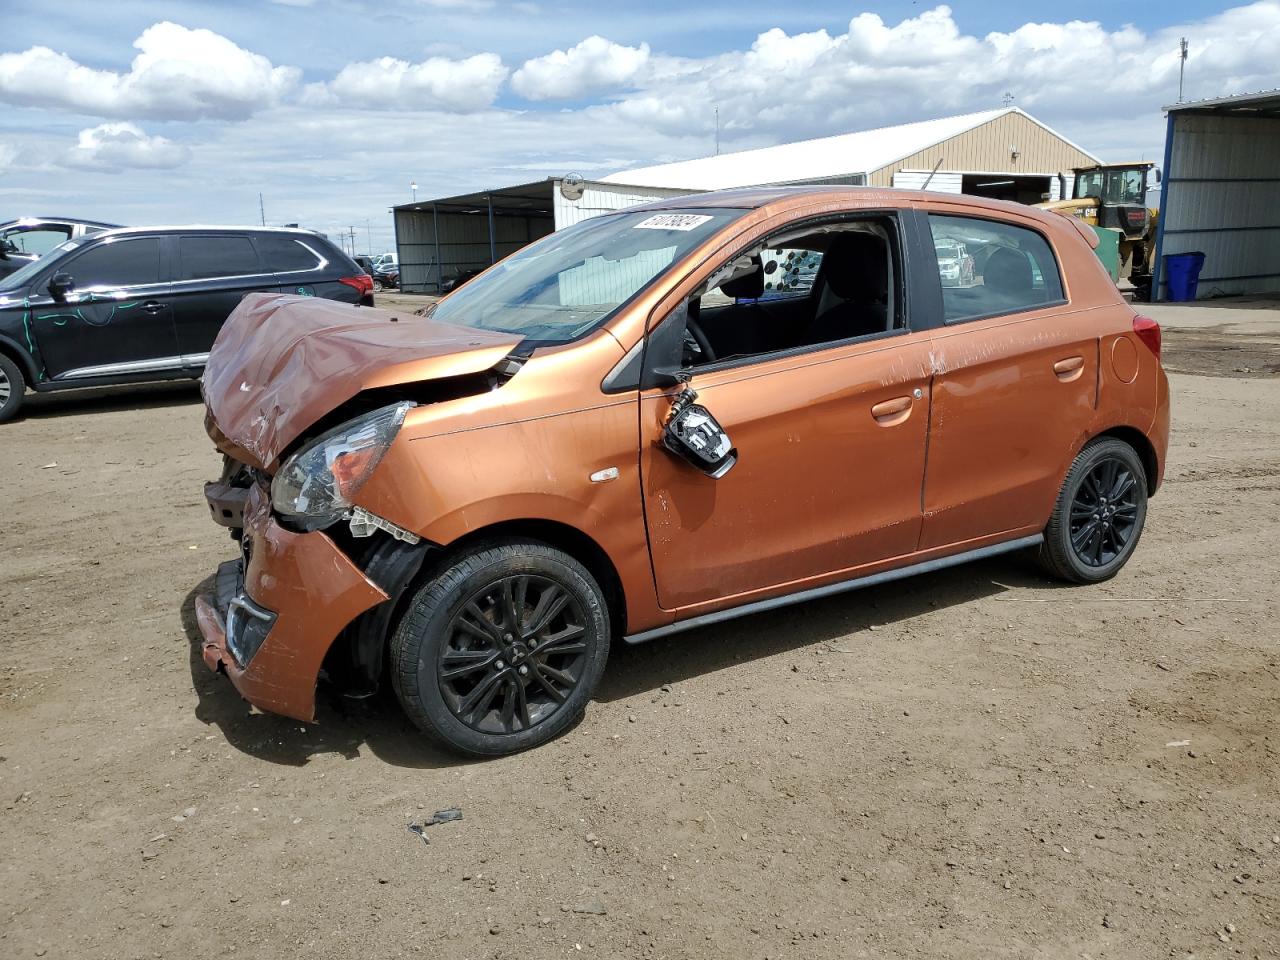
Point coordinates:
[(1108, 250)]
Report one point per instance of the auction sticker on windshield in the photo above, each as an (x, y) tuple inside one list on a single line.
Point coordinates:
[(673, 221)]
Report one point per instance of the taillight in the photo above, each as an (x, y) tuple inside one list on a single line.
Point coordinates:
[(1148, 331), (363, 283)]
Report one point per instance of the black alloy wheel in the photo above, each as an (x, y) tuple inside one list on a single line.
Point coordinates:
[(1099, 514), (514, 653), (501, 648), (1104, 513)]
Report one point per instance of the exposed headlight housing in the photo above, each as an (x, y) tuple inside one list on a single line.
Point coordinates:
[(314, 488)]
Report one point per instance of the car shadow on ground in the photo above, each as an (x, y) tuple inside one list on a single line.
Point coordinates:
[(379, 724), (103, 399)]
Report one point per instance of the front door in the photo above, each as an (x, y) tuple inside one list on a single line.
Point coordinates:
[(116, 321), (213, 272), (831, 452)]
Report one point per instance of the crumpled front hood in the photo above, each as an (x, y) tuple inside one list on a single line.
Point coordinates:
[(280, 363)]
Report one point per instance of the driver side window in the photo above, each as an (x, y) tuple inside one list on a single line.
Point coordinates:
[(802, 288)]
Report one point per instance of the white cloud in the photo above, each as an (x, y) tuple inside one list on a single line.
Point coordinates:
[(111, 147), (791, 86), (593, 66), (8, 155), (179, 74), (435, 83)]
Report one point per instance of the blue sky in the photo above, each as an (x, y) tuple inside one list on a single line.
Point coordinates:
[(331, 107)]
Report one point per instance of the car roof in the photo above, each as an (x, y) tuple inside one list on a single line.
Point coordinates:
[(210, 228)]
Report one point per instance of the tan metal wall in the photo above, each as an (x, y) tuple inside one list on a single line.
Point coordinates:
[(985, 149)]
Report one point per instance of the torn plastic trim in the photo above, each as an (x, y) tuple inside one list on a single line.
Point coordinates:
[(364, 524)]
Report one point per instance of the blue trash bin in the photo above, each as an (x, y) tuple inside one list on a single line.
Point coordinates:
[(1182, 274)]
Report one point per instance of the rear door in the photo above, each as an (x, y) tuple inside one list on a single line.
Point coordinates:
[(212, 273), (1015, 382), (118, 320)]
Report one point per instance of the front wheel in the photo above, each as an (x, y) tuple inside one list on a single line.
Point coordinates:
[(502, 649), (12, 387), (378, 286), (1099, 514)]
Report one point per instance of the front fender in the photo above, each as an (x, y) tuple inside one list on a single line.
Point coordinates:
[(447, 486), (20, 353)]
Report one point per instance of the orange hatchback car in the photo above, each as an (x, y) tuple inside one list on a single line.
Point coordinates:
[(657, 419)]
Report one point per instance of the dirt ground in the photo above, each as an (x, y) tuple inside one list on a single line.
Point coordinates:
[(975, 763)]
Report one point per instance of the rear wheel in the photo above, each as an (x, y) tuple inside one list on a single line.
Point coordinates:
[(1099, 515), (502, 649), (12, 386)]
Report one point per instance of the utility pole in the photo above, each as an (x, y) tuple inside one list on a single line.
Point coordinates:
[(717, 130), (368, 235), (351, 231), (1182, 65), (1007, 98), (262, 212)]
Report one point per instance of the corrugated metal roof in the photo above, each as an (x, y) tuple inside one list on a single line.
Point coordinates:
[(860, 152), (1266, 101)]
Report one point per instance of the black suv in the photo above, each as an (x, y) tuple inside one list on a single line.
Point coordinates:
[(145, 303)]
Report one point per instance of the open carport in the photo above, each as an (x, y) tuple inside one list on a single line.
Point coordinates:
[(1221, 194)]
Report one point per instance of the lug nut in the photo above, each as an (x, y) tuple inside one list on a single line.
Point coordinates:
[(500, 665), (523, 670)]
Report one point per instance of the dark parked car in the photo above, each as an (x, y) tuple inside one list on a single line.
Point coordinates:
[(140, 304), (30, 238), (386, 276)]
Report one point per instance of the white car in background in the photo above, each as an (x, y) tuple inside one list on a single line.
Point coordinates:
[(955, 265)]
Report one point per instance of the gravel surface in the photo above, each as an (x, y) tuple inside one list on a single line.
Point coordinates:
[(975, 763)]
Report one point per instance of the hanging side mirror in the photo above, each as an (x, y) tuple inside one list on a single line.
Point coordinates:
[(693, 434), (60, 285)]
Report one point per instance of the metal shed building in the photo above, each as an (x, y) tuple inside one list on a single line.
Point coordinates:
[(1004, 154), (437, 239), (1221, 193)]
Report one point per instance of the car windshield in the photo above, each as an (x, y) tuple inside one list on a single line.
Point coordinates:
[(21, 277), (569, 282)]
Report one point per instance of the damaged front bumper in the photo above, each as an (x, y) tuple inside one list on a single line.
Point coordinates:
[(276, 611)]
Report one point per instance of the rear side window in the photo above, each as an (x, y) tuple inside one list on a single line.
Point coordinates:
[(204, 258), (286, 254), (117, 263), (989, 268)]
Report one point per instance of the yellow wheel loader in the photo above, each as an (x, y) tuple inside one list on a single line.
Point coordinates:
[(1113, 196)]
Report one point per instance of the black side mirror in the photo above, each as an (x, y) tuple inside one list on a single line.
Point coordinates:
[(60, 285), (694, 435)]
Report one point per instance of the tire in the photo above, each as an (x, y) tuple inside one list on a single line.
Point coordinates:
[(12, 387), (462, 615), (378, 286), (1099, 515)]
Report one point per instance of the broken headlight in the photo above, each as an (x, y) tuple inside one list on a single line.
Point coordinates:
[(314, 487)]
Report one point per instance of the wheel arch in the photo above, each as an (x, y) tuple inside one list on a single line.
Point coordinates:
[(1142, 446), (15, 352), (554, 533)]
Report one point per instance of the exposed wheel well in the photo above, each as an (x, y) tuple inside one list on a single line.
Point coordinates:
[(563, 537), (1142, 446)]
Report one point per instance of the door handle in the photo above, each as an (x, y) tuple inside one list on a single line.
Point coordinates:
[(890, 412), (152, 306), (1069, 369)]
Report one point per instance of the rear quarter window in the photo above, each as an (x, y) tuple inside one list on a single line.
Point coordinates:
[(283, 254), (988, 268)]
